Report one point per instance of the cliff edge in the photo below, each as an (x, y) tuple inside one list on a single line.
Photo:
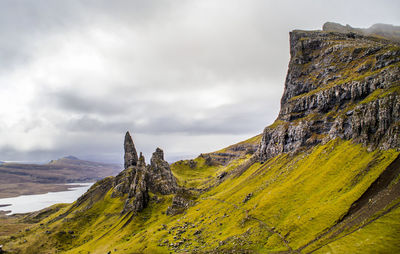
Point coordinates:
[(338, 85)]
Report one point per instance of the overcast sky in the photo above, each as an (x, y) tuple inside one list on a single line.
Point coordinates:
[(187, 76)]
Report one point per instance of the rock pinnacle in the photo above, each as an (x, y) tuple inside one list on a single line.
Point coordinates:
[(131, 157)]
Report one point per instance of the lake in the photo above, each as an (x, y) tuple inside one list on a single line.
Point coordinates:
[(31, 203)]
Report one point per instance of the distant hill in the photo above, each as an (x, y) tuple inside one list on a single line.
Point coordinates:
[(385, 31), (17, 178), (71, 157)]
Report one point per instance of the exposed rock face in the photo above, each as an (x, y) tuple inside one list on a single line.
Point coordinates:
[(133, 181), (138, 196), (160, 175), (131, 157), (137, 180), (181, 201), (122, 182), (141, 179), (338, 85)]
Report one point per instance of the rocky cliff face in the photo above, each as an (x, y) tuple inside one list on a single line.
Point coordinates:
[(338, 85)]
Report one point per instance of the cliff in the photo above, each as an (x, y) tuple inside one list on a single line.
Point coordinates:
[(338, 85)]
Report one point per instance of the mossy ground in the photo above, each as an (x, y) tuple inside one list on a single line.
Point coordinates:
[(380, 236), (293, 199)]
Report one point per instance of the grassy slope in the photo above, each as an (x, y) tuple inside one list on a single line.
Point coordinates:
[(294, 199), (381, 236), (202, 175)]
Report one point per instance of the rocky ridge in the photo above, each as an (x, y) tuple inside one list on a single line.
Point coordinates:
[(338, 85)]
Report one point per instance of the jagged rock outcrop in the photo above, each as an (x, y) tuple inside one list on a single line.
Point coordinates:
[(338, 85), (131, 157), (138, 196), (136, 181), (180, 202), (141, 179), (161, 179)]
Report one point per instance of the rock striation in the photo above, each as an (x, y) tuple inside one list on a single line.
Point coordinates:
[(339, 84), (161, 179), (138, 195)]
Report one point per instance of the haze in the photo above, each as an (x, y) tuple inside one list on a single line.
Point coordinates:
[(187, 76)]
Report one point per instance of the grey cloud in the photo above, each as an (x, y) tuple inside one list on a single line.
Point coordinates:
[(24, 24), (224, 120), (32, 156), (158, 61), (74, 101), (91, 124), (86, 151)]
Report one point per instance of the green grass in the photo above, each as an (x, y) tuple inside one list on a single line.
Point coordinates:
[(303, 195), (295, 197), (381, 93), (193, 177), (203, 175), (380, 236), (252, 141)]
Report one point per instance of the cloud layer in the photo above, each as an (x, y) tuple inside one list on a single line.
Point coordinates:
[(188, 76)]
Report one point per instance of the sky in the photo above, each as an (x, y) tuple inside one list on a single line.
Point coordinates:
[(186, 76)]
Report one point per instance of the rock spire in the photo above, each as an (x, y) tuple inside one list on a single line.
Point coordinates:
[(161, 178), (131, 157)]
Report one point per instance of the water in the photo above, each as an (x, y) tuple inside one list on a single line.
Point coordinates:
[(31, 203)]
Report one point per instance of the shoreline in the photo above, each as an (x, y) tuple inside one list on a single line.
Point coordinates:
[(35, 202), (22, 189)]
